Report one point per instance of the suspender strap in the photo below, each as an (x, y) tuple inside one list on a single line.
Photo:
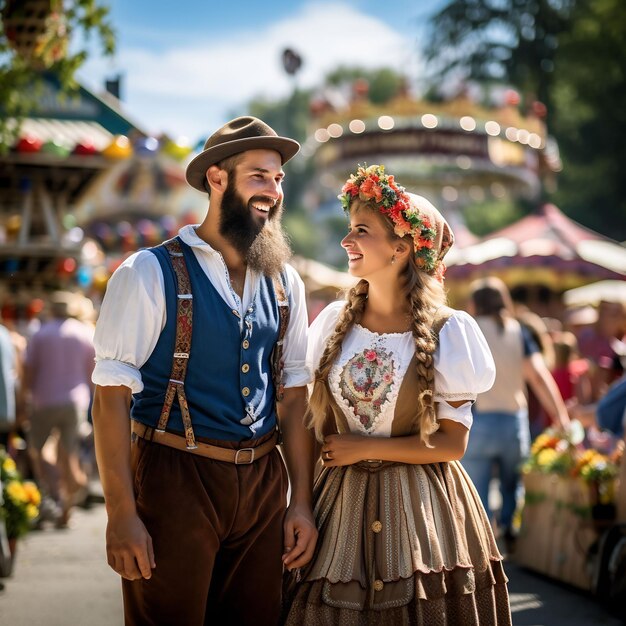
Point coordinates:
[(184, 316), (278, 363)]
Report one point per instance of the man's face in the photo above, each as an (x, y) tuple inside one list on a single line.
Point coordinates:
[(251, 209)]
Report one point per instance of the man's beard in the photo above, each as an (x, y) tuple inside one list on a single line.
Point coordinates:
[(264, 246)]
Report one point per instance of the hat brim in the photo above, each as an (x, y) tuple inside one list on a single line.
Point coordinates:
[(196, 170)]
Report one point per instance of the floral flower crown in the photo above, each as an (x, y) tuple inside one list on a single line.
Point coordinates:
[(372, 184)]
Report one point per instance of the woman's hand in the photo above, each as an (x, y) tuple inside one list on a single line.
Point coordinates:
[(346, 449)]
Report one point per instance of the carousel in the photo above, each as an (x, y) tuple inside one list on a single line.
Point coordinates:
[(458, 153)]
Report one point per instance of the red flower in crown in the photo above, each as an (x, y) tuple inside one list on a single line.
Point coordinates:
[(372, 184), (370, 189)]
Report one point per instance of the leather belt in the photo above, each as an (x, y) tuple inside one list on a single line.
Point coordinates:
[(242, 456)]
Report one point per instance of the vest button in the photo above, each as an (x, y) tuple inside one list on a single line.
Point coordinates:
[(245, 344), (245, 368), (245, 391), (377, 526), (378, 585)]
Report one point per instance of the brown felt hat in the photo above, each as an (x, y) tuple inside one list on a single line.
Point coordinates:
[(238, 135)]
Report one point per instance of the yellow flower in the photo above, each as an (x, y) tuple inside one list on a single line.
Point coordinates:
[(9, 465), (32, 493), (32, 511), (15, 490), (546, 457)]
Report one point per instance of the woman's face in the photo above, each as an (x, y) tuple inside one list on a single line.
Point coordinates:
[(369, 246)]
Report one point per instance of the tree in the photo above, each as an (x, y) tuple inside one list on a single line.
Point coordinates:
[(383, 84), (498, 40), (568, 53), (589, 96), (34, 38)]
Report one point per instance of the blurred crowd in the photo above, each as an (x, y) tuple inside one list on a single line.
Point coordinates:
[(46, 363), (568, 367)]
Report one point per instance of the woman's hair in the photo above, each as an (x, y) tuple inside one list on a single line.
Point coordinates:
[(425, 295), (491, 298), (538, 330), (565, 348)]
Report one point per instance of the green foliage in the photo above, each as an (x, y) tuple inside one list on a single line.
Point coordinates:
[(304, 239), (508, 41), (486, 217), (569, 54), (384, 83), (20, 77), (590, 116)]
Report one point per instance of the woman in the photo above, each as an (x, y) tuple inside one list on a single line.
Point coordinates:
[(403, 536), (501, 435)]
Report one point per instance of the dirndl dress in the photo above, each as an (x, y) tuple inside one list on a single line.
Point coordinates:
[(398, 543)]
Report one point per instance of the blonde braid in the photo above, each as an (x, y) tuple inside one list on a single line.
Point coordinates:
[(425, 296), (350, 315)]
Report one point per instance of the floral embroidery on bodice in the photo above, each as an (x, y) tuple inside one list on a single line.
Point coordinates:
[(366, 378), (365, 382)]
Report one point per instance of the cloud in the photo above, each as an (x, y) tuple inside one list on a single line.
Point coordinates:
[(192, 89)]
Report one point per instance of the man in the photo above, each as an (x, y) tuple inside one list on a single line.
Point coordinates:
[(196, 503), (58, 367), (8, 376)]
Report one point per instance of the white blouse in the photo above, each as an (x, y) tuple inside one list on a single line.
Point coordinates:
[(366, 378)]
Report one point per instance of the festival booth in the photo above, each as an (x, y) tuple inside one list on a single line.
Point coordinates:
[(65, 144), (82, 186), (539, 257)]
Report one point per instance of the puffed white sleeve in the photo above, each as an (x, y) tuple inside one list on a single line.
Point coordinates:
[(319, 333), (130, 321), (464, 367)]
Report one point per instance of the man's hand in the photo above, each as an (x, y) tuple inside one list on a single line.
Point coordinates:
[(129, 547), (300, 536)]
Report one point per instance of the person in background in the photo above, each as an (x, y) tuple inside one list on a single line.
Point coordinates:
[(500, 438), (595, 344), (403, 536), (538, 419), (8, 381), (58, 367), (570, 371)]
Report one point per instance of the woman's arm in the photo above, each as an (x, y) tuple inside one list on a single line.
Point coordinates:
[(447, 444)]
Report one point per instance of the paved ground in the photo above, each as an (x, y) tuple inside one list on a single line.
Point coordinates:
[(61, 579)]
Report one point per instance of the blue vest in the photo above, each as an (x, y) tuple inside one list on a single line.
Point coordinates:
[(228, 384)]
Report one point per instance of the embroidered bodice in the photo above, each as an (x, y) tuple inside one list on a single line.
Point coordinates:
[(367, 375)]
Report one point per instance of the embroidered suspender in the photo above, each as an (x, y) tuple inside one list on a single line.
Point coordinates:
[(182, 347), (278, 363), (184, 316)]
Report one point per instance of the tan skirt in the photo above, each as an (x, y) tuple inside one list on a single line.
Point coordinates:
[(399, 544)]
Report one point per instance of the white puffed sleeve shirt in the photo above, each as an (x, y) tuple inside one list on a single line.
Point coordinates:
[(133, 314), (366, 378)]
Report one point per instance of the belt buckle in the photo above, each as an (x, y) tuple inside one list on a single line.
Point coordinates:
[(250, 450)]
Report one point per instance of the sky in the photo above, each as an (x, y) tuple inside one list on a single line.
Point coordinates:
[(188, 66)]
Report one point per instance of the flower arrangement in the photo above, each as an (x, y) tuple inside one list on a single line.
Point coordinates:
[(20, 499), (551, 453), (555, 453), (372, 184)]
